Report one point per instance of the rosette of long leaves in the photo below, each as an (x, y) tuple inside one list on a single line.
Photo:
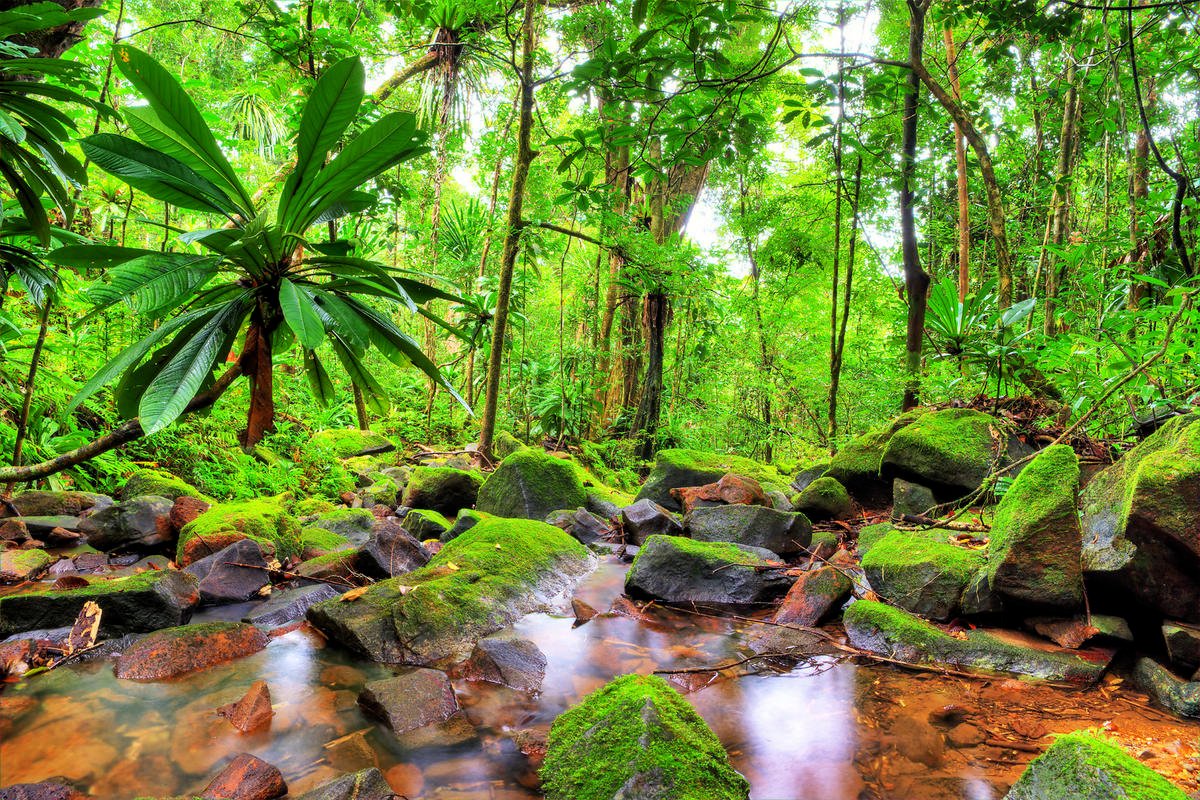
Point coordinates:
[(254, 275)]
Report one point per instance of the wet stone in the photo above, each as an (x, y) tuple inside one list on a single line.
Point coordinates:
[(509, 661), (411, 700), (367, 784), (813, 596), (45, 790), (1183, 644), (289, 605), (585, 526), (177, 651), (1170, 691), (646, 518), (252, 712), (246, 778), (224, 579), (137, 523)]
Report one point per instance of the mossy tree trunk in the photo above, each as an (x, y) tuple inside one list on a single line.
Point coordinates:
[(512, 236), (916, 279)]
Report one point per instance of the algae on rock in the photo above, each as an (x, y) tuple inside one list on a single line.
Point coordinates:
[(1086, 766), (263, 519), (951, 450), (531, 484), (637, 737), (921, 572)]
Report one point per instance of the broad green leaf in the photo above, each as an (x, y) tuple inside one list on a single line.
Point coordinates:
[(301, 315), (318, 379), (155, 173), (373, 393), (154, 281)]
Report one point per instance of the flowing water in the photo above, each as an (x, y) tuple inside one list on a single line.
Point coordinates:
[(826, 728)]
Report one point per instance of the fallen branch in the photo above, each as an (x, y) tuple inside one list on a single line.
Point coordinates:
[(931, 522)]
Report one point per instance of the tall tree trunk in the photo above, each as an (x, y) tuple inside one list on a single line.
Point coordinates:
[(960, 161), (916, 279), (35, 360), (617, 179), (839, 347), (764, 358), (512, 235), (257, 366), (1060, 202), (656, 315)]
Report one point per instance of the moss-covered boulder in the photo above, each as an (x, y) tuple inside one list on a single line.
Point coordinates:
[(159, 483), (824, 498), (530, 484), (677, 469), (897, 634), (1141, 522), (675, 569), (337, 566), (350, 442), (177, 651), (1172, 692), (140, 603), (442, 489), (506, 444), (425, 523), (637, 738), (856, 465), (354, 524), (55, 504), (950, 451), (783, 533), (921, 572), (466, 519), (382, 491), (23, 565), (1086, 766), (264, 519), (480, 582), (1035, 543), (871, 535)]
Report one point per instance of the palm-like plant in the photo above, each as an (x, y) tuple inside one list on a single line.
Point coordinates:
[(257, 277)]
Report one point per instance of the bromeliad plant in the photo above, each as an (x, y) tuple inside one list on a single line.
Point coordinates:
[(258, 277)]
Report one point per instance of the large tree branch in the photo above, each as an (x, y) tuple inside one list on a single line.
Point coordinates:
[(126, 432), (421, 65)]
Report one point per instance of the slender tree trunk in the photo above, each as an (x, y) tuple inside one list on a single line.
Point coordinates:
[(1060, 202), (764, 359), (835, 365), (512, 236), (257, 366), (360, 408), (35, 361), (656, 315), (916, 279), (960, 161)]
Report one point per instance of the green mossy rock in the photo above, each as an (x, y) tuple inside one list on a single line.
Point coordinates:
[(442, 489), (484, 580), (1085, 766), (466, 519), (781, 532), (318, 542), (425, 523), (159, 483), (921, 572), (350, 442), (1141, 521), (506, 444), (1035, 544), (263, 519), (870, 535), (23, 565), (950, 451), (383, 492), (355, 524), (824, 498), (312, 506), (676, 569), (1179, 696), (339, 565), (637, 738), (891, 632), (53, 504), (856, 466), (530, 484), (137, 604), (676, 469)]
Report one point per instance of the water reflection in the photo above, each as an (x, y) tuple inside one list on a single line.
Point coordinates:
[(827, 730)]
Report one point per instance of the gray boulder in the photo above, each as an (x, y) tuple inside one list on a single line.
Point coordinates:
[(675, 569), (231, 575), (757, 526), (646, 518), (138, 523)]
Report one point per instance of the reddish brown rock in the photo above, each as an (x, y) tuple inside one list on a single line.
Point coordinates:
[(46, 790), (185, 510), (731, 489), (14, 530), (177, 651), (582, 611), (199, 547), (813, 596), (246, 778), (252, 712)]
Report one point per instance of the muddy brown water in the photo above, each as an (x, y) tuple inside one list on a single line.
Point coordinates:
[(822, 729)]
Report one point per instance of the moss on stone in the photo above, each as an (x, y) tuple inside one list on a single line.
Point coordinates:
[(856, 465), (384, 491), (676, 468), (159, 483), (262, 519), (824, 498), (312, 506), (711, 554), (506, 444), (637, 732), (1086, 764), (350, 442), (955, 448), (17, 565), (345, 520), (921, 572), (321, 541), (869, 535), (425, 523), (442, 489), (1035, 542), (531, 484)]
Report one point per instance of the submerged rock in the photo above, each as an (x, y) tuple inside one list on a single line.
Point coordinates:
[(891, 632), (442, 489), (920, 572), (264, 519), (678, 469), (140, 603), (483, 581), (824, 498), (637, 738), (253, 711), (951, 450), (756, 526), (813, 597), (1141, 522), (367, 784), (1085, 766), (678, 570), (1035, 543), (411, 700), (1172, 692), (289, 605), (530, 484), (188, 648), (237, 573), (246, 778), (646, 518), (43, 790)]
